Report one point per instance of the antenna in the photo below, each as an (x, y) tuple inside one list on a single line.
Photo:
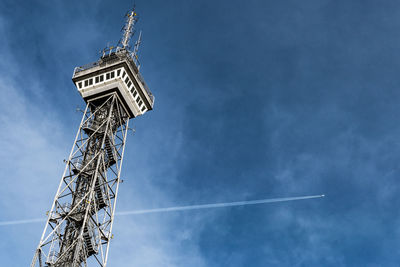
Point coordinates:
[(129, 28), (137, 44), (136, 50)]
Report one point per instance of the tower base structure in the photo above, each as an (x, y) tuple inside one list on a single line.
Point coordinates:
[(79, 225)]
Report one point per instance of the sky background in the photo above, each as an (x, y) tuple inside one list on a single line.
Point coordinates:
[(254, 99)]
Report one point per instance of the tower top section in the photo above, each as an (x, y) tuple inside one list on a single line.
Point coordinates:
[(129, 30), (117, 70)]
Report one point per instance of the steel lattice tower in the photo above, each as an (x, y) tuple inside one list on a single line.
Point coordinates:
[(79, 225)]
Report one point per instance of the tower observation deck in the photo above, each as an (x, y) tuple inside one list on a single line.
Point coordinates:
[(79, 225)]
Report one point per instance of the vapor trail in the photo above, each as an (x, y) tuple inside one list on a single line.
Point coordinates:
[(216, 205), (3, 223), (181, 208)]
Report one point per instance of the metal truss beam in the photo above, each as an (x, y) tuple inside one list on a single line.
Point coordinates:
[(79, 225)]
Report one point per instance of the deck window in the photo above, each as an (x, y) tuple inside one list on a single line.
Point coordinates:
[(129, 84), (107, 76), (112, 74), (134, 93), (86, 83), (101, 78), (143, 108), (97, 79), (123, 74), (80, 85), (118, 72), (140, 103)]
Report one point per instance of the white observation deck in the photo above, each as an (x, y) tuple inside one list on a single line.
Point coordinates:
[(115, 72)]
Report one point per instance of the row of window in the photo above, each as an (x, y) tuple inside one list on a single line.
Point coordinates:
[(112, 75), (135, 94), (98, 79)]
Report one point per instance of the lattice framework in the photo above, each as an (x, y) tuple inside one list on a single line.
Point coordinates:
[(79, 224)]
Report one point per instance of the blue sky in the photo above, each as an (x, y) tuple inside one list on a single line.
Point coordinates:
[(254, 99)]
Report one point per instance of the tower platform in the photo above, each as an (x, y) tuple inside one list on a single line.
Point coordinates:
[(115, 72)]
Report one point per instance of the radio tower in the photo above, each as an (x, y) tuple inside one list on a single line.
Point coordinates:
[(79, 224)]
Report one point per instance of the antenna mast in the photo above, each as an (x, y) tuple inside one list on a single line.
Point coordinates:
[(129, 30)]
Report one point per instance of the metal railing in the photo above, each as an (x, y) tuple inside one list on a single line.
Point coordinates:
[(85, 67)]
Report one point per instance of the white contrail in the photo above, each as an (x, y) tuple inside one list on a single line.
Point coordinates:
[(3, 223), (181, 208), (216, 205)]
